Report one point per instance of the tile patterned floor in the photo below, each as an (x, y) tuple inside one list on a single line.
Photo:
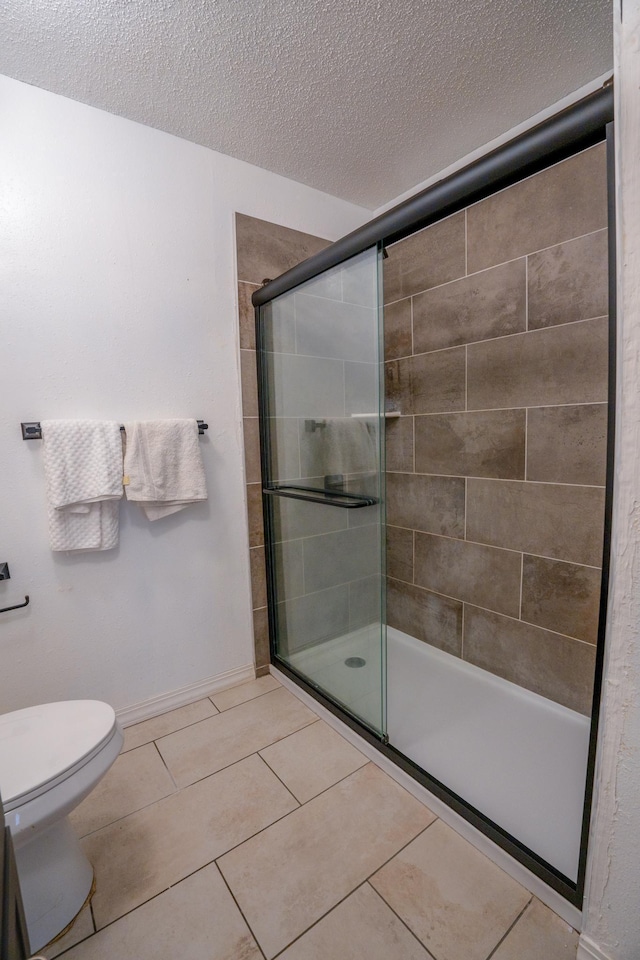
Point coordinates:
[(242, 827)]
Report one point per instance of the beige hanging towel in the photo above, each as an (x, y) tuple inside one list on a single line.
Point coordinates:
[(163, 469)]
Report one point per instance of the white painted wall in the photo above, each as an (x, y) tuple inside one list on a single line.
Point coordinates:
[(611, 925), (117, 300)]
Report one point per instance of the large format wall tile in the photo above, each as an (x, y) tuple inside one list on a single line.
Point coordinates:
[(489, 304), (330, 328), (397, 329), (258, 577), (471, 572), (425, 259), (293, 519), (485, 444), (553, 666), (399, 444), (567, 444), (249, 383), (316, 616), (265, 250), (364, 601), (289, 569), (251, 428), (563, 364), (427, 616), (431, 504), (564, 597), (428, 383), (338, 557), (550, 520), (400, 553), (562, 202), (254, 511), (307, 386), (247, 315), (569, 281)]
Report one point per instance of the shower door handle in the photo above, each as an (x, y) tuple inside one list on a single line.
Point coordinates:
[(332, 498)]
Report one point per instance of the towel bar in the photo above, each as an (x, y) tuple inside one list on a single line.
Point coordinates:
[(16, 606), (33, 431)]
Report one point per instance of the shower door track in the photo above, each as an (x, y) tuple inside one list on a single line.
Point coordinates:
[(588, 122)]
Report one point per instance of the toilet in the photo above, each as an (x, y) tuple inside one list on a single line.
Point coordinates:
[(51, 758)]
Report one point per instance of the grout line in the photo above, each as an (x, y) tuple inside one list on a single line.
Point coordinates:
[(429, 955), (526, 293), (224, 880), (526, 442), (462, 633), (165, 766), (271, 770), (529, 483), (524, 406), (358, 887), (466, 243), (521, 584), (493, 266), (242, 702), (413, 338), (319, 920), (413, 445), (466, 377), (465, 507), (502, 939), (413, 556)]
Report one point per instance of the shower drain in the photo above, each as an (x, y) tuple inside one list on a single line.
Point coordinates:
[(355, 662)]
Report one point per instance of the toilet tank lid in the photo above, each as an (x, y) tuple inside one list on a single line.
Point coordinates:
[(40, 743)]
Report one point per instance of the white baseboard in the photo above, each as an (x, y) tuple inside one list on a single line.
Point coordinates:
[(588, 950), (183, 695), (528, 880)]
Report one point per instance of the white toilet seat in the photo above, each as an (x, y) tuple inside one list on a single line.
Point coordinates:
[(44, 745)]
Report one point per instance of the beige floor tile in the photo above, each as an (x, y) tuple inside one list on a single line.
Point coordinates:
[(82, 928), (210, 745), (288, 876), (136, 779), (150, 730), (142, 854), (362, 927), (539, 934), (455, 900), (195, 920), (244, 691), (312, 759)]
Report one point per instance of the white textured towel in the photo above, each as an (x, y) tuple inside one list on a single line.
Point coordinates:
[(163, 467), (83, 470)]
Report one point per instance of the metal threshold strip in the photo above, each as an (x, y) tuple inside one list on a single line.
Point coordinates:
[(332, 498)]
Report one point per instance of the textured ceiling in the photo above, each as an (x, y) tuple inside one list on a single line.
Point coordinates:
[(360, 98)]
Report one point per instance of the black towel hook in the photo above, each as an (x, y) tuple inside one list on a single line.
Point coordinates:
[(17, 605)]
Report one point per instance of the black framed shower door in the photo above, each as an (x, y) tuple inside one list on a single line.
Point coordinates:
[(322, 435)]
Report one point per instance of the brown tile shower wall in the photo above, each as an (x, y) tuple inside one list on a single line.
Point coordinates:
[(264, 251), (496, 345)]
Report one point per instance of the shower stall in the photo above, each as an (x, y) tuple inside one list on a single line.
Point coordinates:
[(436, 426)]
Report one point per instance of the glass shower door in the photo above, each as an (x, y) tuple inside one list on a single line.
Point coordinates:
[(322, 437)]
